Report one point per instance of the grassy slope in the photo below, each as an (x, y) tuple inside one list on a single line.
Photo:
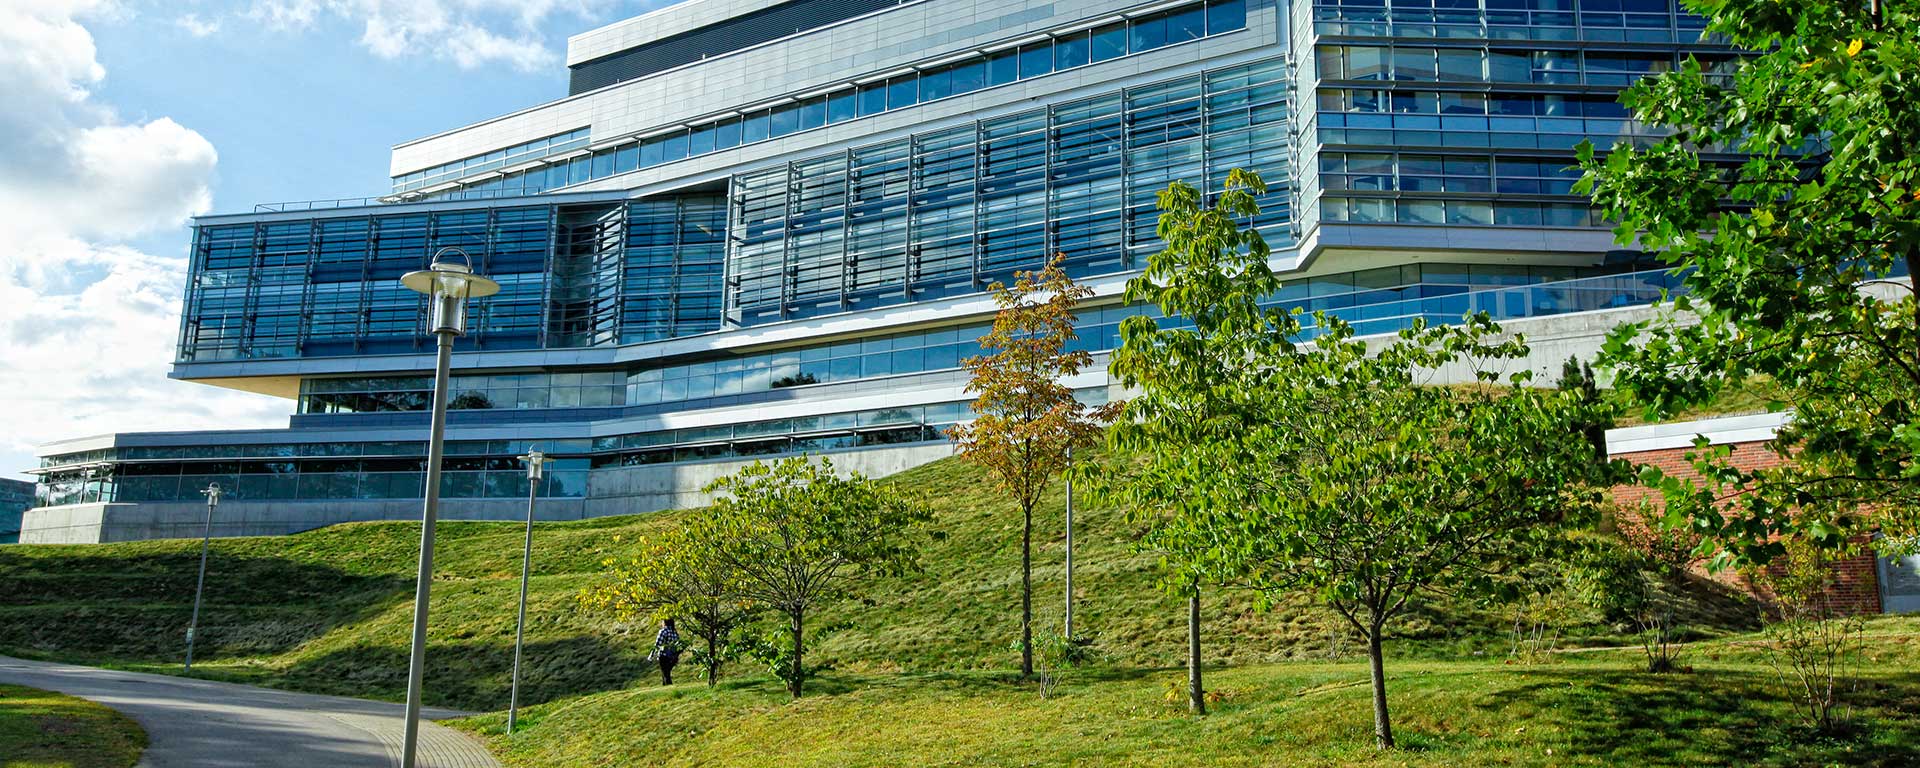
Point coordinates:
[(330, 610), (1582, 709), (919, 663), (43, 729)]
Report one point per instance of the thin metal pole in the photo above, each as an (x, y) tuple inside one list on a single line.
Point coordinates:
[(423, 584), (200, 587), (1069, 544), (526, 567)]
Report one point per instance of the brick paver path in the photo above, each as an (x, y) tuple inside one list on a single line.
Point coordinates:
[(203, 723)]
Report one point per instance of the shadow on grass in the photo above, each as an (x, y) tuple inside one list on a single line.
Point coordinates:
[(1717, 716), (474, 676), (136, 608)]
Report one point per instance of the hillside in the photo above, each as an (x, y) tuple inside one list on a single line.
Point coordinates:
[(1730, 708), (329, 610)]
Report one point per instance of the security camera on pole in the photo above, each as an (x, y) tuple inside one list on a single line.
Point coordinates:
[(448, 286), (534, 459)]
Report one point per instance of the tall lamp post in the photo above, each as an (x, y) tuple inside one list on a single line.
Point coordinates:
[(447, 285), (206, 537), (1069, 585), (534, 459)]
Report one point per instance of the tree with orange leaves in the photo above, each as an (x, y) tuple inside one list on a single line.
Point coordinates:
[(1027, 419)]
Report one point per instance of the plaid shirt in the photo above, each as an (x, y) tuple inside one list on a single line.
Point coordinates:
[(667, 643)]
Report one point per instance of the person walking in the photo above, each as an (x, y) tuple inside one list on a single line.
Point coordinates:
[(666, 650)]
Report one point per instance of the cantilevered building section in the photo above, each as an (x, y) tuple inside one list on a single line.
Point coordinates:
[(762, 228)]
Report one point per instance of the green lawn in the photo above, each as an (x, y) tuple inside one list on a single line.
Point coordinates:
[(330, 610), (42, 729), (917, 665), (1731, 709)]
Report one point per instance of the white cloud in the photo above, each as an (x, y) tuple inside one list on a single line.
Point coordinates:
[(87, 322), (469, 33), (196, 26)]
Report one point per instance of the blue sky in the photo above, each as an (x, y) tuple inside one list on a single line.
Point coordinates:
[(122, 119)]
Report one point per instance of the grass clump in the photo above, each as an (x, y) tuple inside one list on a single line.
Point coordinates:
[(43, 729)]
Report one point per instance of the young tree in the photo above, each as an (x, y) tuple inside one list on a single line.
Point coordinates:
[(1173, 371), (678, 575), (1027, 421), (1791, 191), (799, 536), (1334, 466)]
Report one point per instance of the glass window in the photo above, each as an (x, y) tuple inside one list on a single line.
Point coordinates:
[(1072, 50), (1509, 66), (1036, 60), (1556, 67), (1463, 103), (1003, 67), (1187, 24), (813, 113), (936, 84), (786, 119), (1469, 212), (1365, 63), (1147, 34), (840, 106), (675, 147), (970, 76), (727, 134), (626, 159), (701, 143), (755, 127), (873, 98), (903, 91), (1459, 64), (1413, 64), (1226, 16), (1110, 41)]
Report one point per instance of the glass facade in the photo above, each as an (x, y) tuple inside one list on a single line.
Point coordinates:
[(473, 469), (570, 276), (1466, 112), (1377, 300), (492, 161), (1058, 52), (948, 212)]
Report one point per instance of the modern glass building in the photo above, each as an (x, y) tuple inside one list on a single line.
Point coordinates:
[(16, 497), (758, 228)]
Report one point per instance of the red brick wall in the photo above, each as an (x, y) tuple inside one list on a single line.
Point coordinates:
[(1857, 587)]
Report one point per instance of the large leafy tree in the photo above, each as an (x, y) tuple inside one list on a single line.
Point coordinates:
[(678, 575), (799, 535), (1791, 191), (1335, 466), (1027, 421)]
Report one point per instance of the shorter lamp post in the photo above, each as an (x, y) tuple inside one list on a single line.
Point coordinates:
[(534, 459), (448, 286), (206, 537)]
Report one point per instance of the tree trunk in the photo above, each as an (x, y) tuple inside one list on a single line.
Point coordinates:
[(1026, 596), (713, 658), (1196, 691), (1382, 726), (798, 672)]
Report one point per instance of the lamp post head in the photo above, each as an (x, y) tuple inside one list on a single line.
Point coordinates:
[(449, 284), (213, 494), (534, 459)]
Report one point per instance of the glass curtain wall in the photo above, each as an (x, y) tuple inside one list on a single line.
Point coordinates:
[(949, 212), (569, 276)]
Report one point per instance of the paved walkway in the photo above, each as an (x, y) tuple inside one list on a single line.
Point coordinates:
[(203, 723)]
